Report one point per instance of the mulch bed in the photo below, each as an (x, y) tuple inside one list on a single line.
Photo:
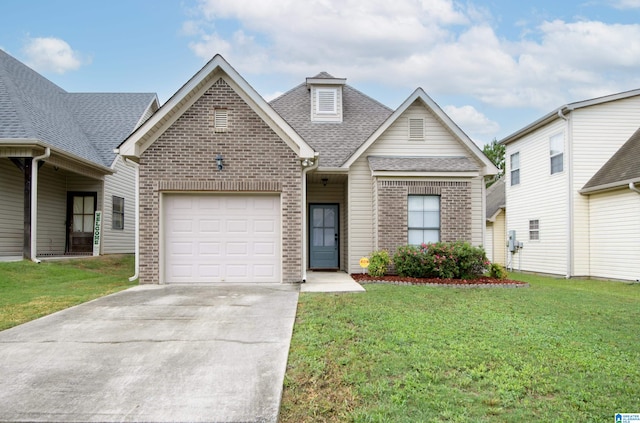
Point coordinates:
[(483, 282)]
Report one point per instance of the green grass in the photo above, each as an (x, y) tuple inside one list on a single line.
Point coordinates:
[(557, 351), (29, 290)]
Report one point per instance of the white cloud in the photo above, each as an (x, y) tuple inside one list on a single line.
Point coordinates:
[(440, 45), (626, 4), (475, 124), (51, 54)]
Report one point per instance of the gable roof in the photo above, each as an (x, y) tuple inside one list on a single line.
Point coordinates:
[(621, 169), (191, 91), (563, 110), (419, 95), (496, 199), (85, 125), (335, 141)]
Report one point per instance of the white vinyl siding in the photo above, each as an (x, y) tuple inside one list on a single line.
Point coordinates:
[(556, 153), (615, 234), (496, 240), (52, 211), (120, 184), (11, 209)]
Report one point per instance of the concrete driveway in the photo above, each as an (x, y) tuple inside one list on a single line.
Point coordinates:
[(153, 353)]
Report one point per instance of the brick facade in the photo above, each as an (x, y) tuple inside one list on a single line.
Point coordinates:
[(255, 160), (455, 210)]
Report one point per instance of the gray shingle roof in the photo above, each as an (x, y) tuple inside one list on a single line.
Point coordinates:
[(623, 166), (87, 125), (496, 197), (335, 142), (422, 164)]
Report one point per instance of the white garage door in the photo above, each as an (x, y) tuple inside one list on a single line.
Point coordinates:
[(221, 238)]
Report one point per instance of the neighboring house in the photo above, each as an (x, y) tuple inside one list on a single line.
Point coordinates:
[(496, 237), (58, 165), (235, 189), (572, 219)]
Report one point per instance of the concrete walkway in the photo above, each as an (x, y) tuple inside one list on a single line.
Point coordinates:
[(330, 282), (214, 353)]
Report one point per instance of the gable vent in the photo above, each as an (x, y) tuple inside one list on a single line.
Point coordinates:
[(327, 100), (221, 120), (416, 128)]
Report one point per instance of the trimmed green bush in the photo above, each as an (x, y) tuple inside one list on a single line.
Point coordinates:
[(497, 271), (446, 260), (378, 263)]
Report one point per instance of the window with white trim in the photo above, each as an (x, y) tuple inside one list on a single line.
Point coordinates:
[(534, 230), (515, 168), (327, 101), (117, 216), (423, 219), (416, 129), (556, 153), (221, 120)]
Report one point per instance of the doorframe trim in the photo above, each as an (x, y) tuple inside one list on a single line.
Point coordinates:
[(309, 227), (69, 217)]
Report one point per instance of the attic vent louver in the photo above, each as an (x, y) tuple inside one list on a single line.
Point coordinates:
[(416, 128), (327, 99), (221, 120)]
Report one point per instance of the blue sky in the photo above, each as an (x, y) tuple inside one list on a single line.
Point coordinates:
[(492, 65)]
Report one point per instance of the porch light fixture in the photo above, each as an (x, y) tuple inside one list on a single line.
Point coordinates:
[(307, 163), (324, 181), (219, 161)]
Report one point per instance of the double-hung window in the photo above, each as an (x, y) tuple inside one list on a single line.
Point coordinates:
[(534, 230), (515, 168), (423, 219), (117, 221), (556, 153)]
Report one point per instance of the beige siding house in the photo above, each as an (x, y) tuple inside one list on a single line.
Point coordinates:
[(496, 224), (548, 166), (235, 189), (58, 166)]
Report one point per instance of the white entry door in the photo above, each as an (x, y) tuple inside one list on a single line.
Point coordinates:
[(221, 238)]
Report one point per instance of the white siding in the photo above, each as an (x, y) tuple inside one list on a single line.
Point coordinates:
[(120, 184), (488, 246), (52, 211), (477, 212), (615, 235), (497, 240), (598, 132), (360, 213), (333, 193), (11, 209), (539, 196)]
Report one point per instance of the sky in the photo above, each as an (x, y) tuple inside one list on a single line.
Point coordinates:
[(493, 66)]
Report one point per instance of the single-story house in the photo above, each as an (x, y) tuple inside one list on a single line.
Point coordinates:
[(58, 166), (235, 189)]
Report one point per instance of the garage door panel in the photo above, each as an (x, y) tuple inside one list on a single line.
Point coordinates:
[(221, 238)]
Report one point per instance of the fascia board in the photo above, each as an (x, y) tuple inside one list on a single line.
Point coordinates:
[(609, 187)]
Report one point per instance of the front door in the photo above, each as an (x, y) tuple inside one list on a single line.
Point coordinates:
[(323, 236), (81, 207)]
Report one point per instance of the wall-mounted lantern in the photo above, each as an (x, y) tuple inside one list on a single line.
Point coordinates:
[(219, 161)]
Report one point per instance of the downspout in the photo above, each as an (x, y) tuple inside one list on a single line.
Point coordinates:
[(310, 165), (632, 187), (136, 169), (569, 151), (34, 202)]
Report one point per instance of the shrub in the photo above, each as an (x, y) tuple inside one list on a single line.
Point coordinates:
[(378, 263), (449, 260), (497, 271)]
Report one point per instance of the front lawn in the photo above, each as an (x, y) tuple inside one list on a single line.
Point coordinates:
[(556, 351), (29, 290)]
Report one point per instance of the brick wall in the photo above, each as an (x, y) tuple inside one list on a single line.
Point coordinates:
[(455, 210), (255, 160)]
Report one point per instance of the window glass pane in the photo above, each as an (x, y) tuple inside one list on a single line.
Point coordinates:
[(78, 203), (88, 223), (416, 203), (329, 238), (515, 177), (557, 163), (431, 219), (515, 161), (118, 204), (416, 219), (317, 217), (431, 203), (117, 221), (77, 223), (415, 236), (556, 144), (88, 205), (318, 238), (431, 236), (329, 218)]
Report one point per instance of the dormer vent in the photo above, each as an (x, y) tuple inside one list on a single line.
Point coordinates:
[(326, 97)]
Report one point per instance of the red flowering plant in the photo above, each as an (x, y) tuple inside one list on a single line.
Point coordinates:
[(445, 260)]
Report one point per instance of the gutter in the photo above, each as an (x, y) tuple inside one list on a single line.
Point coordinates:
[(632, 187), (312, 164), (136, 179), (34, 203)]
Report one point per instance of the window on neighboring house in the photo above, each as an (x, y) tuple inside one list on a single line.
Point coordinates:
[(416, 128), (515, 168), (326, 101), (117, 221), (556, 152), (534, 230), (423, 220), (221, 120)]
